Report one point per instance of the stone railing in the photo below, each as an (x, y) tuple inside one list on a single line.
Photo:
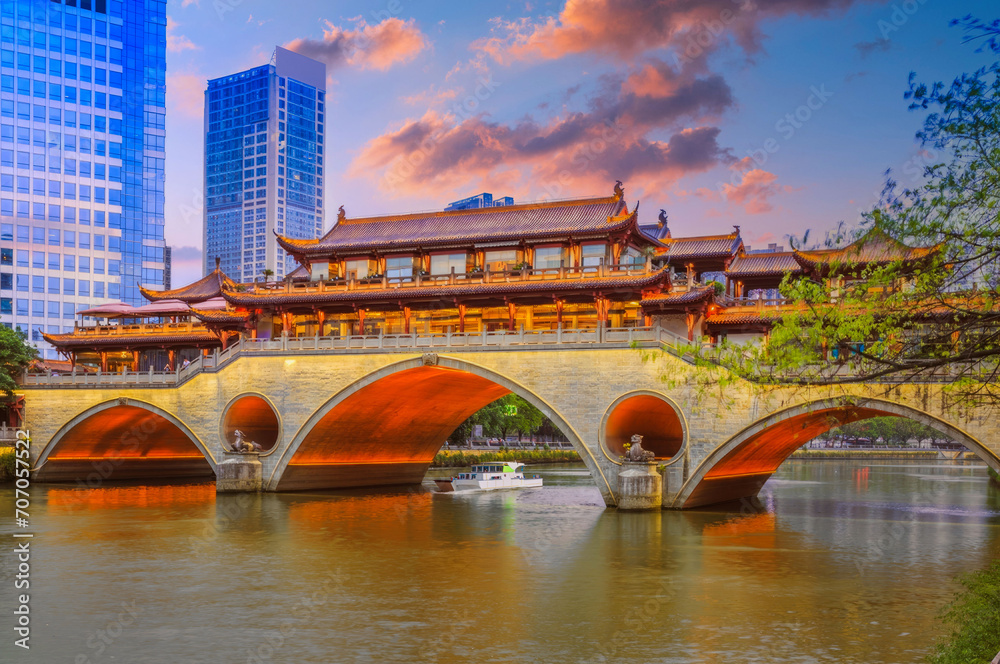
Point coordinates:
[(621, 337)]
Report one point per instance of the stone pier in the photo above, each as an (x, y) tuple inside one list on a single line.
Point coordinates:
[(640, 486), (239, 473)]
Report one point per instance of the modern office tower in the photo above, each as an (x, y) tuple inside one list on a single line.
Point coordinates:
[(263, 164), (82, 86), (483, 200)]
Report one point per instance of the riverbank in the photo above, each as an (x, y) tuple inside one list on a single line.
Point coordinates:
[(459, 459), (864, 454), (7, 464)]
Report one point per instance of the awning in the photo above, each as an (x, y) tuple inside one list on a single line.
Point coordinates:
[(109, 310), (161, 308)]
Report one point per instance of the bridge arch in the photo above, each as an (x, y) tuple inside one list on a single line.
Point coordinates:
[(739, 467), (386, 427), (123, 438), (653, 415)]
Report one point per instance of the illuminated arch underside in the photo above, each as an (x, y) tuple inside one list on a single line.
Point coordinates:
[(389, 431), (124, 442), (742, 472)]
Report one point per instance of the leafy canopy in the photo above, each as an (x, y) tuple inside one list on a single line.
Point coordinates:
[(15, 356), (910, 318)]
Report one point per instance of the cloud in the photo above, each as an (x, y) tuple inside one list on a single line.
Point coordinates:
[(754, 191), (186, 94), (177, 43), (443, 153), (380, 46), (878, 45), (432, 96), (627, 28)]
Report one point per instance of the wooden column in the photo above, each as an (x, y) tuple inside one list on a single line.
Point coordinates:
[(135, 360), (361, 321), (690, 274), (461, 318), (601, 304), (321, 321), (406, 320), (559, 312), (647, 321), (690, 318), (286, 326), (72, 360), (529, 318), (511, 316), (104, 361), (171, 360)]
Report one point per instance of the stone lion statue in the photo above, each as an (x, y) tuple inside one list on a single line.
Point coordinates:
[(242, 445), (636, 453)]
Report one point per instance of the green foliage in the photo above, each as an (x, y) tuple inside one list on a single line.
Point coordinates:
[(720, 288), (15, 356), (498, 423), (8, 462), (892, 430), (974, 617), (936, 311), (462, 459)]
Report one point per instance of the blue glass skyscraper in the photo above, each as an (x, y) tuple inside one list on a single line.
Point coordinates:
[(82, 106), (263, 163)]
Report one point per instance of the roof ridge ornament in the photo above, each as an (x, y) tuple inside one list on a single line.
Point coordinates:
[(619, 190), (341, 215)]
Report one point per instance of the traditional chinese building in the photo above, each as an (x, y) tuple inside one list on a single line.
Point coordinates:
[(580, 264)]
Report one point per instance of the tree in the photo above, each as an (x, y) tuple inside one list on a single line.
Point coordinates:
[(15, 356), (506, 415), (910, 318), (268, 273)]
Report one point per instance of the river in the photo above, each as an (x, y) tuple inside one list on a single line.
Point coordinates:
[(845, 561)]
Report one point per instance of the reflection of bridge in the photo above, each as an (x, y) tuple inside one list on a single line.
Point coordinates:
[(374, 411)]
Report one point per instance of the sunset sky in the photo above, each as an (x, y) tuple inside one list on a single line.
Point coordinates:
[(777, 115)]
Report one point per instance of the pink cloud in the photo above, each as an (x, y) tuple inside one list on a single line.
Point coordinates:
[(176, 43), (186, 94), (440, 153), (627, 28), (380, 46), (754, 191)]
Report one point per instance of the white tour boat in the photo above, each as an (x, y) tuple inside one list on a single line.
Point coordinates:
[(496, 475)]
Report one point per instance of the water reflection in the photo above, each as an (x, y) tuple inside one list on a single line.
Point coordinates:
[(841, 562)]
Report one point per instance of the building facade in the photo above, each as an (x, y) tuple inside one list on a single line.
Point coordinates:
[(82, 104), (264, 131), (483, 200)]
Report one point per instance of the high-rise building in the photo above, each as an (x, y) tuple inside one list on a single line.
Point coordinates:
[(263, 163), (82, 104), (483, 200)]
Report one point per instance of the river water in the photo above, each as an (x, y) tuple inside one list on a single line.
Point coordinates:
[(846, 561)]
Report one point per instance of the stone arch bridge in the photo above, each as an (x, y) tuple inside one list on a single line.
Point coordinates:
[(332, 418)]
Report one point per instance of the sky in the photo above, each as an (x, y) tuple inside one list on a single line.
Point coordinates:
[(779, 116)]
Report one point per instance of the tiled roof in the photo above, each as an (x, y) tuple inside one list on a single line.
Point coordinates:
[(124, 340), (875, 247), (221, 317), (708, 246), (205, 288), (742, 318), (699, 294), (498, 289), (757, 265), (510, 222)]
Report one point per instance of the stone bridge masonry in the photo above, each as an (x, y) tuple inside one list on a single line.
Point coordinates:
[(332, 419)]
